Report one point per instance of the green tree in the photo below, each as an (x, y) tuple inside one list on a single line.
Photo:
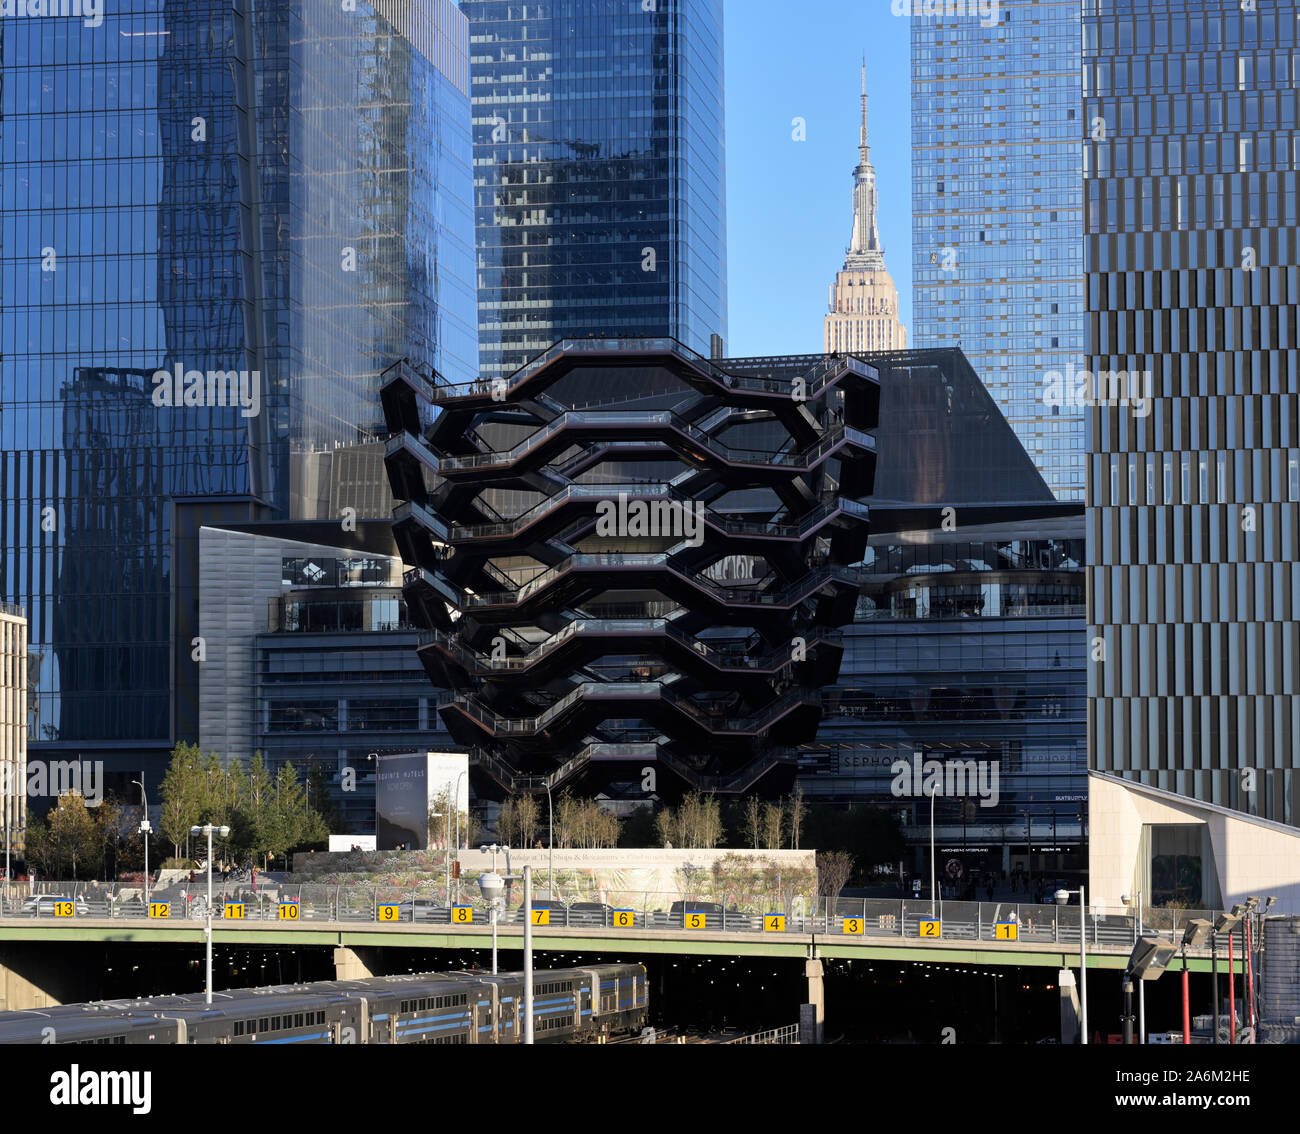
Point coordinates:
[(74, 846), (184, 795), (256, 819)]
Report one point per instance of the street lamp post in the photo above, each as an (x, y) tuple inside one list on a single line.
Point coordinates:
[(455, 809), (934, 790), (209, 830), (145, 828), (1142, 999), (550, 842), (1063, 898)]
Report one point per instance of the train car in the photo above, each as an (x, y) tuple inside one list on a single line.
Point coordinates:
[(99, 1023), (442, 1008)]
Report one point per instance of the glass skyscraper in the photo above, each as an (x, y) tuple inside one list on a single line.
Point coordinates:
[(599, 175), (996, 224), (1193, 275), (277, 193)]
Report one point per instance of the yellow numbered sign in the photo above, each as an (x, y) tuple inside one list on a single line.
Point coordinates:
[(160, 909), (64, 909), (1006, 931), (288, 911), (541, 917), (853, 925), (624, 919), (234, 910), (390, 913), (462, 915), (930, 928), (695, 920), (773, 923)]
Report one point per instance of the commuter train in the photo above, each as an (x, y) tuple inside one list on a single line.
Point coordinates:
[(582, 1004)]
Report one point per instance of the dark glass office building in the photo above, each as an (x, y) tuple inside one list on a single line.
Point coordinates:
[(1193, 287), (599, 176), (225, 190), (967, 650)]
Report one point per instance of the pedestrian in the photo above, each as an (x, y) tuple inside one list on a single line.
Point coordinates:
[(254, 877)]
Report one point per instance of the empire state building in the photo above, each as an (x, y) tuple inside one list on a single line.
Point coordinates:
[(863, 314)]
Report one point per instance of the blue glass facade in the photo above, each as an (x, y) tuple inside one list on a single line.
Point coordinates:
[(599, 174), (997, 231), (281, 190)]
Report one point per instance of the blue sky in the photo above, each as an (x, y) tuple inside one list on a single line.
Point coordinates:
[(790, 204)]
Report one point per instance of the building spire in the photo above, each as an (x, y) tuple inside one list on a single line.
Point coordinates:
[(863, 144), (865, 250)]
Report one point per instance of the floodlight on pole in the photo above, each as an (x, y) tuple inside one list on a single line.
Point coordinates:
[(1063, 898)]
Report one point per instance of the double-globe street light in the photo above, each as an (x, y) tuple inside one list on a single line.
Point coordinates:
[(209, 830)]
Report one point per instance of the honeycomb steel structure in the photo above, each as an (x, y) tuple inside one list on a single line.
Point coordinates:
[(626, 557)]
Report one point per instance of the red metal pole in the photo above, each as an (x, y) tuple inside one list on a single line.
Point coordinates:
[(1232, 996), (1187, 1004), (1250, 979)]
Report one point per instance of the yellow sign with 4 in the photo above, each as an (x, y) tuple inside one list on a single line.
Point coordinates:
[(773, 923)]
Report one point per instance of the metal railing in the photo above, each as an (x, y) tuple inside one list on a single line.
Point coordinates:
[(730, 909), (788, 1034)]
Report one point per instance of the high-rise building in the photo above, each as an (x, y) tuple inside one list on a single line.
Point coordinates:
[(1193, 281), (13, 730), (863, 313), (996, 223), (599, 175), (271, 204)]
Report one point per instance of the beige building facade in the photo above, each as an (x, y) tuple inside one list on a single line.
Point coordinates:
[(863, 313), (13, 728)]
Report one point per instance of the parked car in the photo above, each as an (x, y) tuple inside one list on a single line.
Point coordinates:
[(43, 905), (418, 909)]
